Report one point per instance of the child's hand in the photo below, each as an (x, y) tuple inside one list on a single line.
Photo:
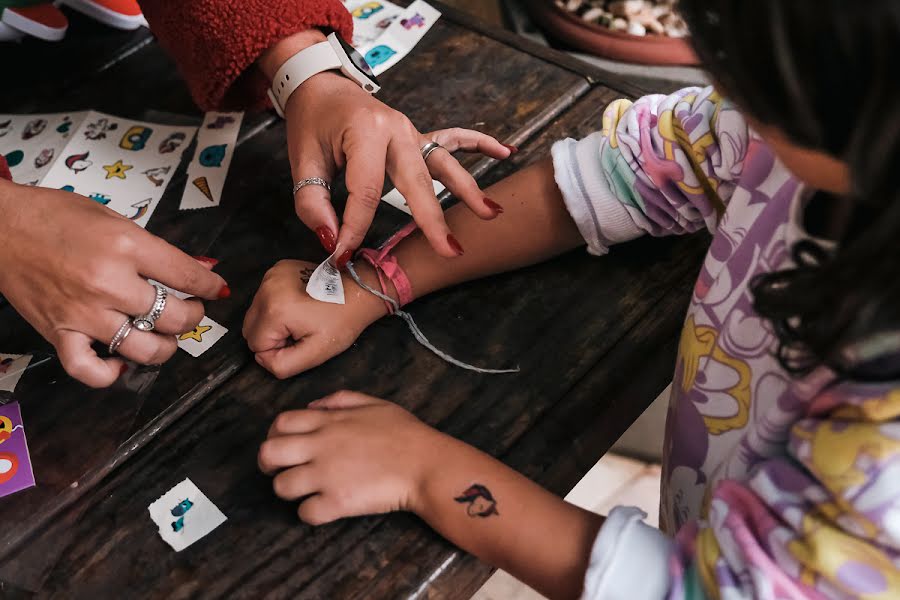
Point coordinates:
[(353, 454), (290, 332)]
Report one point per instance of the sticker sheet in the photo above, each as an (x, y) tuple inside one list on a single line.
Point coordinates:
[(202, 337), (31, 143), (184, 515), (120, 163), (15, 462), (12, 367), (371, 19), (396, 199), (398, 37), (207, 172)]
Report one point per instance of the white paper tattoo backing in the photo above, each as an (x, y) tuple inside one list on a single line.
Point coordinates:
[(12, 366), (184, 515), (202, 337), (384, 33), (208, 169), (326, 284), (398, 201)]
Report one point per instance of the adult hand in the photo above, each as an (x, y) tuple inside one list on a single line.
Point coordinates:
[(76, 271), (334, 124)]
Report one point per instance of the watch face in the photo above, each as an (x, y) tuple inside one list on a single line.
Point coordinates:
[(358, 60)]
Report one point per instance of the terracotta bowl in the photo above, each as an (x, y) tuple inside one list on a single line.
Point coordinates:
[(594, 39)]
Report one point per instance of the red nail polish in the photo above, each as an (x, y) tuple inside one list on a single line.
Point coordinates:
[(123, 369), (493, 206), (225, 292), (344, 258), (454, 243), (512, 149), (207, 260), (326, 237)]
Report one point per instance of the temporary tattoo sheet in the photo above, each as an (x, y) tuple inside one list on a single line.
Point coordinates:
[(325, 284), (396, 199), (31, 143), (120, 163), (401, 32), (15, 462), (370, 19), (184, 515), (12, 366), (207, 172)]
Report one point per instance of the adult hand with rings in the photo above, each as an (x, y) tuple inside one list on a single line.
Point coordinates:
[(333, 124), (77, 272)]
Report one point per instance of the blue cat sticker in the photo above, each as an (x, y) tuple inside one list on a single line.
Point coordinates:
[(379, 55)]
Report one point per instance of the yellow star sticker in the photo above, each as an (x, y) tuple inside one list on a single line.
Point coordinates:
[(196, 334), (117, 169)]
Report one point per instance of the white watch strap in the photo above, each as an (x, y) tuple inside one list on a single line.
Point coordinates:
[(300, 67)]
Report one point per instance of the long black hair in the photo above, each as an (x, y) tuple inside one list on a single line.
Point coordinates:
[(827, 74)]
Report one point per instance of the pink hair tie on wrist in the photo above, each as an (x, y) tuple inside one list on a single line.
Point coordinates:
[(388, 269)]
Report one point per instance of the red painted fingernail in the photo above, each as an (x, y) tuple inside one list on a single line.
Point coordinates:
[(225, 292), (343, 259), (454, 243), (493, 206), (123, 369), (327, 238), (512, 149), (207, 260)]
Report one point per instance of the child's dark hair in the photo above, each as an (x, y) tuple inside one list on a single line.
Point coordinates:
[(824, 72)]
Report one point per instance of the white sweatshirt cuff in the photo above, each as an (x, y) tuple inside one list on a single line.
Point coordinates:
[(630, 559), (601, 219)]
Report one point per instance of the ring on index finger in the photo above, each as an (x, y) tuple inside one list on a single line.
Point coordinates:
[(428, 148), (311, 181)]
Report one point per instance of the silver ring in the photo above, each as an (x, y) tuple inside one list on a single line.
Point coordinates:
[(428, 148), (311, 181), (148, 322), (120, 336)]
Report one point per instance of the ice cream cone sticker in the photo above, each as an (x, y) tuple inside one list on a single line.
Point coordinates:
[(203, 185)]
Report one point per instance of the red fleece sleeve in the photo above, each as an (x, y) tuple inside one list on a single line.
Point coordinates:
[(215, 43)]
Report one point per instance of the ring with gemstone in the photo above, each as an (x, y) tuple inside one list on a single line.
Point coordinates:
[(148, 322)]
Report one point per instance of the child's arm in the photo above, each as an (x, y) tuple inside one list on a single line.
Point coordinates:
[(370, 456)]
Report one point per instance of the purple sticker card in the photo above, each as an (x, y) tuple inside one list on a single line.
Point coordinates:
[(15, 462)]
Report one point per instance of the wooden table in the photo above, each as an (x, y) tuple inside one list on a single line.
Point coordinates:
[(595, 339)]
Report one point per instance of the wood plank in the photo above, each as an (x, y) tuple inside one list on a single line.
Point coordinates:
[(255, 226), (636, 294)]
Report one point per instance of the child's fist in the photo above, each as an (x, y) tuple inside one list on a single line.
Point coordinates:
[(291, 333), (348, 454)]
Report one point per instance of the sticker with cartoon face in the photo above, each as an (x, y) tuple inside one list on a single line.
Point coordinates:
[(78, 162), (33, 128), (5, 127), (135, 138), (100, 198), (367, 10), (117, 170), (171, 143), (379, 55), (44, 158), (98, 129), (212, 156), (65, 127)]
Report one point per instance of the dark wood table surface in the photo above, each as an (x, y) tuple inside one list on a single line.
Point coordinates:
[(595, 340)]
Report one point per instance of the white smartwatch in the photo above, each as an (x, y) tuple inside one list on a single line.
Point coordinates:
[(331, 55)]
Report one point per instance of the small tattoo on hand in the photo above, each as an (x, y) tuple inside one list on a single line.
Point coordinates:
[(481, 502), (306, 274)]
